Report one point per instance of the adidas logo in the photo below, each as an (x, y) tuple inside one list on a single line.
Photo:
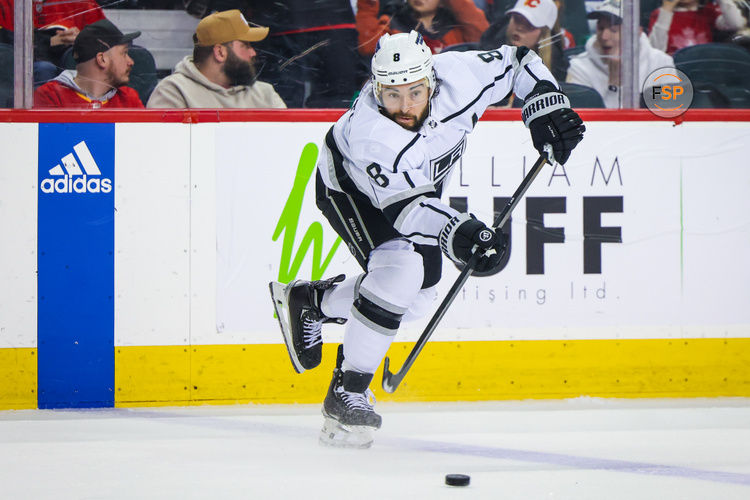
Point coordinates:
[(83, 177)]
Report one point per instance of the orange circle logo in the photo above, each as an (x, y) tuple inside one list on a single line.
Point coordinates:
[(667, 92)]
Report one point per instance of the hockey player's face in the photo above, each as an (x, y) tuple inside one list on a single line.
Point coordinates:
[(407, 104)]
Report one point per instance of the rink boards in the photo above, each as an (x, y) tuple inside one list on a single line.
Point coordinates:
[(136, 255)]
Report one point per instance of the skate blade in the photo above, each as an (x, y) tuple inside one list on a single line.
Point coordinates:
[(279, 299), (336, 435)]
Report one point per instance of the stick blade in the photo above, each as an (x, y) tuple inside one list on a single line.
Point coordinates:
[(388, 385)]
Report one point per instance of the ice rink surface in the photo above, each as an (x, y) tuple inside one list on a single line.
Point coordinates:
[(572, 449)]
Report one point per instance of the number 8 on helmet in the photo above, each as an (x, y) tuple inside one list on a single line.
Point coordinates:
[(399, 59)]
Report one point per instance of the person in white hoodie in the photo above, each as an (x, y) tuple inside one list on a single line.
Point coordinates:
[(221, 72), (598, 66)]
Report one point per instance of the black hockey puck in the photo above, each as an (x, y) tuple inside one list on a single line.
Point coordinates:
[(457, 479)]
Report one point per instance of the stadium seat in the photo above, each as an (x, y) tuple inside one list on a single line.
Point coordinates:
[(167, 34), (714, 63), (143, 76), (719, 74), (705, 96), (574, 51), (582, 96), (6, 75), (739, 97)]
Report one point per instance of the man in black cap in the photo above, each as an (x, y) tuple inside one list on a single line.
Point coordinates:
[(102, 71)]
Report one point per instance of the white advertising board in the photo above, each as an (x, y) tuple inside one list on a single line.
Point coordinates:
[(641, 234), (18, 235)]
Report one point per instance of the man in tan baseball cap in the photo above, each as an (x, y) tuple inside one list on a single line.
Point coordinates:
[(221, 72), (223, 27)]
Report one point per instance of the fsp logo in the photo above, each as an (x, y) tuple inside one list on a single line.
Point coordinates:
[(531, 3), (668, 92)]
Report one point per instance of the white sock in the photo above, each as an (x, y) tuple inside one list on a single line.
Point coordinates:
[(364, 348), (337, 301)]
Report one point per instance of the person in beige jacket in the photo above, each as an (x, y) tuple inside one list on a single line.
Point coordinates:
[(221, 72)]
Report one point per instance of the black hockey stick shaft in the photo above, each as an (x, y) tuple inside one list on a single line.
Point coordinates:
[(391, 381)]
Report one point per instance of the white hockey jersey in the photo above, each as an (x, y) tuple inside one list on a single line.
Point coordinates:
[(401, 172)]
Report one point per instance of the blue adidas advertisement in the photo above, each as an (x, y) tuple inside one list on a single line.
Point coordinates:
[(76, 265)]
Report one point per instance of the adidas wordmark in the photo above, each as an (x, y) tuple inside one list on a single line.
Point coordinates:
[(83, 177)]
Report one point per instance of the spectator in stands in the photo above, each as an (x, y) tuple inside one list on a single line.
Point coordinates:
[(311, 51), (496, 10), (56, 25), (682, 23), (742, 36), (102, 70), (571, 18), (599, 66), (532, 24), (221, 72), (441, 22)]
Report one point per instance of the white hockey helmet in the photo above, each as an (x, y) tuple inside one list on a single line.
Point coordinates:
[(399, 59)]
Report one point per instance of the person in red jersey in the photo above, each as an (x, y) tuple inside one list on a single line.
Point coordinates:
[(47, 14), (101, 75), (56, 24), (684, 23)]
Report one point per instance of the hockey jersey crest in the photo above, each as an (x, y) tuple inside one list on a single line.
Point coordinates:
[(442, 165)]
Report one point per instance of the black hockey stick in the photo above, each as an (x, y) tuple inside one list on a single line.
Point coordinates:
[(391, 381)]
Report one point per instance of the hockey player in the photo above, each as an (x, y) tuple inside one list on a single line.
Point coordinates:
[(379, 180)]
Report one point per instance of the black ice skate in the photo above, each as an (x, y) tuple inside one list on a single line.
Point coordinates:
[(349, 416), (297, 306)]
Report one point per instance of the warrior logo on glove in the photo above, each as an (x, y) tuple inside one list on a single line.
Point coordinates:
[(463, 233), (550, 120), (486, 235)]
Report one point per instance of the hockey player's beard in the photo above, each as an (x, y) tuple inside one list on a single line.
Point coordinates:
[(416, 122), (239, 72)]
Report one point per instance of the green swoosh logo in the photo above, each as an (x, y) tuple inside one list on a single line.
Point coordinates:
[(289, 222)]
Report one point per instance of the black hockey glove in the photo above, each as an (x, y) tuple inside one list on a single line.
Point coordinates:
[(464, 234), (550, 120)]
